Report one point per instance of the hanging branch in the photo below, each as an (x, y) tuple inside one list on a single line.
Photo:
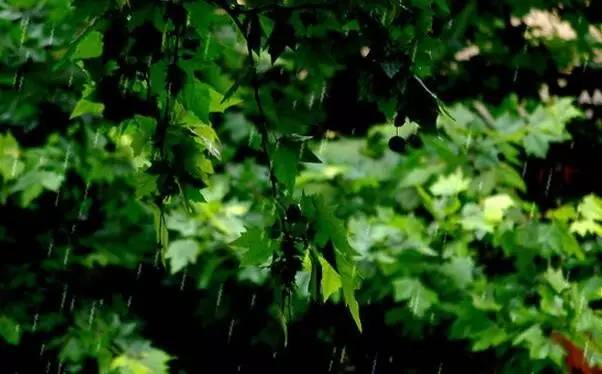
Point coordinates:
[(262, 125)]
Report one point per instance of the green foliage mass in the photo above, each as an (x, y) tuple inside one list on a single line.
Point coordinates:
[(194, 137)]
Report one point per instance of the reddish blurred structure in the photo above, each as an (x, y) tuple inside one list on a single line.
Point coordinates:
[(576, 361)]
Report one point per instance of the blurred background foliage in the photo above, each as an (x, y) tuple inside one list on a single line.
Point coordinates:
[(191, 186)]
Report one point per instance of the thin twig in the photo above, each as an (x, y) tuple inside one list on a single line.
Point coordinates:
[(262, 125)]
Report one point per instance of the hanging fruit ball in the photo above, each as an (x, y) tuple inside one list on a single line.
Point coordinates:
[(415, 141), (397, 144)]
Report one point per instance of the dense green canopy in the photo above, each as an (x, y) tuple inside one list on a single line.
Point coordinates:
[(302, 186)]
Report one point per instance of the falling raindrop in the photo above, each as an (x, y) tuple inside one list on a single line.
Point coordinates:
[(67, 252), (219, 297), (252, 301), (129, 302), (323, 93), (252, 135), (91, 315), (35, 322), (440, 370), (206, 47), (374, 363), (163, 38), (334, 354), (322, 146), (342, 355), (183, 279), (414, 303), (24, 26), (42, 349), (72, 304), (64, 297), (524, 170), (51, 38), (139, 272), (548, 182), (310, 103), (50, 247), (67, 156), (96, 137), (231, 329), (56, 199), (13, 171), (81, 216)]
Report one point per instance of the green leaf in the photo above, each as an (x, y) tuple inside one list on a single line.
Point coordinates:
[(181, 253), (494, 207), (90, 46), (10, 165), (331, 280), (591, 208), (556, 280), (450, 185), (33, 182), (562, 214), (145, 184), (419, 175), (349, 287), (9, 330), (460, 270), (585, 227), (206, 135), (149, 361), (492, 336), (286, 159), (202, 99), (329, 227), (85, 106), (443, 5), (540, 347), (200, 14), (259, 247), (197, 98), (420, 298)]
